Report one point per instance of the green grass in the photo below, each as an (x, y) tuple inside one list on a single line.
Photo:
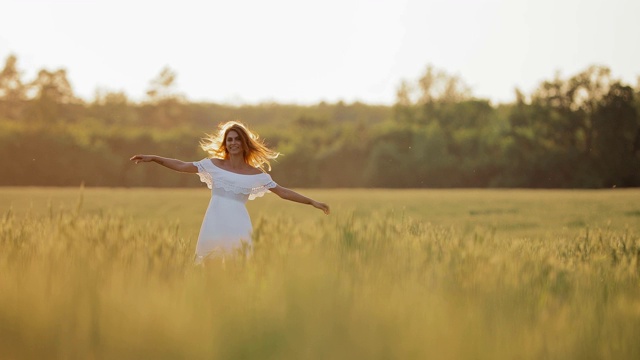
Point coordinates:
[(404, 274)]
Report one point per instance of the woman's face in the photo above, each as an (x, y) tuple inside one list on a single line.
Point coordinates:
[(234, 143)]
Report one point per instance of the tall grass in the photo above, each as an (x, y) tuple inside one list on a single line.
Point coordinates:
[(78, 284)]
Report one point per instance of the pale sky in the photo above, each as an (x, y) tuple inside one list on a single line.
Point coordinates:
[(297, 51)]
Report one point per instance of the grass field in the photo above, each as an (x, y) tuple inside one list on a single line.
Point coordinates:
[(403, 274)]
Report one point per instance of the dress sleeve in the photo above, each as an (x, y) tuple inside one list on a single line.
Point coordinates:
[(263, 188), (204, 175)]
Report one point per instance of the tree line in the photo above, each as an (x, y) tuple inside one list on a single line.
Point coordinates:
[(581, 131)]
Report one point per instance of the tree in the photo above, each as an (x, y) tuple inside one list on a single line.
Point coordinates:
[(439, 86), (113, 107), (569, 133), (166, 105), (404, 109), (12, 90), (53, 86), (571, 105), (615, 128), (430, 96), (162, 87), (53, 95)]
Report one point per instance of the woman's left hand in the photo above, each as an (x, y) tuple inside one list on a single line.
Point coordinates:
[(322, 206)]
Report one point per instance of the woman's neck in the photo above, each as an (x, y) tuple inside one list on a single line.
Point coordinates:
[(236, 161)]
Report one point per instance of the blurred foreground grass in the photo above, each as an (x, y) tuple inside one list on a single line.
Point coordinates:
[(456, 274)]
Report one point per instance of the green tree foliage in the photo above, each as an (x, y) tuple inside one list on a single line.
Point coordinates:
[(571, 132), (444, 136), (166, 107), (581, 131), (113, 108), (53, 97), (12, 89), (615, 144)]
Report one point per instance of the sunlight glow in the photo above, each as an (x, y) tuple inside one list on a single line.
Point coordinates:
[(290, 51)]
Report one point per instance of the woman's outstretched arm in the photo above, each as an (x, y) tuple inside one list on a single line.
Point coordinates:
[(173, 164), (291, 195)]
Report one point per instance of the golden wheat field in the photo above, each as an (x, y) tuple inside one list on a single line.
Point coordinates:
[(390, 274)]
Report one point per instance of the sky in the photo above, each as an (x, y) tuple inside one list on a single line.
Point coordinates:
[(298, 51)]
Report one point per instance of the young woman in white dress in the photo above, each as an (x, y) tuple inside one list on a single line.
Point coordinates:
[(235, 172)]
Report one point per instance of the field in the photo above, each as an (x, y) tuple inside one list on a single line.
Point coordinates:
[(390, 274)]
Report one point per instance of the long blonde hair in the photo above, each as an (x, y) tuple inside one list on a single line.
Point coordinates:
[(256, 153)]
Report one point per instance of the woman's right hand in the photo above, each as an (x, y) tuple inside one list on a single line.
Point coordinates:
[(142, 158)]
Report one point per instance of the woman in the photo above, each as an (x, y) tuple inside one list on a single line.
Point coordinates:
[(235, 173)]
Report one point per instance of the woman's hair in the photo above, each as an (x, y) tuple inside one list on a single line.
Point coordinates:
[(256, 153)]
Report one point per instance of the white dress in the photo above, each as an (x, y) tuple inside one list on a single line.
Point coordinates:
[(226, 225)]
